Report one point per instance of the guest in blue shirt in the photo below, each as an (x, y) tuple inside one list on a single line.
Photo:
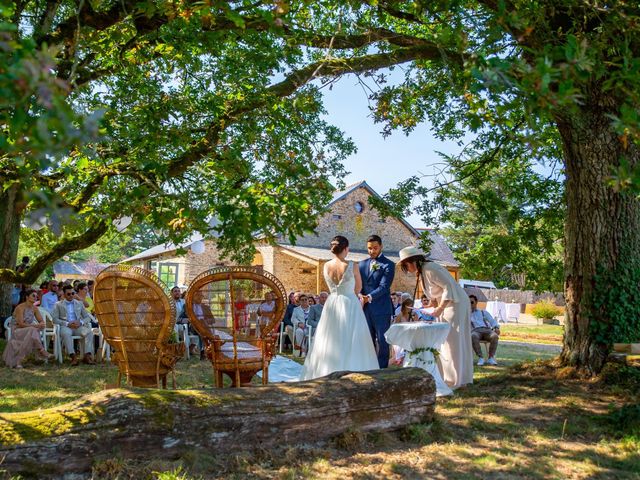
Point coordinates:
[(483, 328)]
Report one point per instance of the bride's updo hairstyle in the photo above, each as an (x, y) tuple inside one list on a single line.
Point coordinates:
[(338, 244)]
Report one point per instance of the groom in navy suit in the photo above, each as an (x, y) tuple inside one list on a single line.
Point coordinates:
[(377, 275)]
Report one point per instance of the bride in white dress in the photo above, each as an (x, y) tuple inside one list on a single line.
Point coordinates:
[(342, 340)]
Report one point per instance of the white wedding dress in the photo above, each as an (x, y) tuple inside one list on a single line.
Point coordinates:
[(342, 340)]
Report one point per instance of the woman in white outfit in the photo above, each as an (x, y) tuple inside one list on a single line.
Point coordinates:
[(453, 307), (342, 340)]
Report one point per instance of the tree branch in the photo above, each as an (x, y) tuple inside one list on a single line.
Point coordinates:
[(63, 246), (43, 26)]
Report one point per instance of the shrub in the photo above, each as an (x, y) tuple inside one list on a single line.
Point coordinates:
[(545, 310)]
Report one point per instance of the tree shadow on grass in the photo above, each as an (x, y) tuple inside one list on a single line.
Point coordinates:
[(524, 422)]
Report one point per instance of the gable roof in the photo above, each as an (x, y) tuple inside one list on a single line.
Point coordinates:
[(440, 251), (165, 248), (341, 194), (78, 268)]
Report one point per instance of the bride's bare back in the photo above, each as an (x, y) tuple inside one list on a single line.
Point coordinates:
[(336, 268)]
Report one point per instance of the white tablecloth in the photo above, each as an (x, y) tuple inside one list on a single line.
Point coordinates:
[(415, 338), (498, 310), (513, 311)]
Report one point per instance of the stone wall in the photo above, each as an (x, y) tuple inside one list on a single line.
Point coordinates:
[(295, 274), (198, 263), (298, 275), (343, 219), (190, 265)]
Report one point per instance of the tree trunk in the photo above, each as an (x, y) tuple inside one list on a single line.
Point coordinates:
[(10, 215), (602, 229), (147, 424)]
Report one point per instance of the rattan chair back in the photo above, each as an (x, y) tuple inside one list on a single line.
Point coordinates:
[(236, 311), (137, 317)]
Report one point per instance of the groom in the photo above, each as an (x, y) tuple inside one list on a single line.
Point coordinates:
[(377, 275)]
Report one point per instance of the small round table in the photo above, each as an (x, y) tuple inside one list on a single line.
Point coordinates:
[(419, 339)]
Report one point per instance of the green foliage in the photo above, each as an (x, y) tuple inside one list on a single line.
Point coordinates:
[(192, 127), (614, 300), (506, 225), (625, 421), (176, 474), (545, 310)]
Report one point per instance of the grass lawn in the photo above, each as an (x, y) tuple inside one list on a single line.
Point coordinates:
[(550, 334), (532, 422)]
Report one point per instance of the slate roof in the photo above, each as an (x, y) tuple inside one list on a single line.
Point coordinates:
[(164, 248), (440, 251), (78, 268)]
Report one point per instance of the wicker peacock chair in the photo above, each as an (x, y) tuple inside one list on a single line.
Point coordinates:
[(223, 306), (137, 318)]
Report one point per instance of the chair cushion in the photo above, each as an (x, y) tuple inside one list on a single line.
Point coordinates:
[(245, 351)]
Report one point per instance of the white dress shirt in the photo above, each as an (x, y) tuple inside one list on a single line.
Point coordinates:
[(482, 319)]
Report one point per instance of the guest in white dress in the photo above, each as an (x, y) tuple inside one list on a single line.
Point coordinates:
[(342, 341), (453, 307)]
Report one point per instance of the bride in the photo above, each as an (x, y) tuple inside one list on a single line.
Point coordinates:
[(342, 340)]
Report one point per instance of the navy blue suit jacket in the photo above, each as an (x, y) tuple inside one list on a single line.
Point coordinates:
[(377, 283)]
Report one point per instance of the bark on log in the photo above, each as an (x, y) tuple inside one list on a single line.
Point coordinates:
[(146, 424)]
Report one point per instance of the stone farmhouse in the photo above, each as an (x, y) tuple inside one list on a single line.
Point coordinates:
[(299, 267)]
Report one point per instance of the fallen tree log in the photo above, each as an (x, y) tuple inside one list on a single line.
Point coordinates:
[(145, 424)]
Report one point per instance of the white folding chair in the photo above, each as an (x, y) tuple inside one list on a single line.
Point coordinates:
[(309, 339), (103, 347), (182, 330), (60, 346), (43, 333), (283, 332), (50, 332), (183, 336), (7, 328)]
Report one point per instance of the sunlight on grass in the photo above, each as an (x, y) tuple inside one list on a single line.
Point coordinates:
[(511, 423)]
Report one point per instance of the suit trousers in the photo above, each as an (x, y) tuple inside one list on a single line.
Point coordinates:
[(485, 335), (378, 326), (83, 331)]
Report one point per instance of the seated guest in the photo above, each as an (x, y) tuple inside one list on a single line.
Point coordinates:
[(74, 320), (299, 325), (316, 312), (483, 327), (403, 297), (288, 326), (90, 285), (25, 332), (50, 298), (396, 300), (426, 309), (240, 317), (406, 313), (266, 309), (179, 301), (82, 294), (202, 311)]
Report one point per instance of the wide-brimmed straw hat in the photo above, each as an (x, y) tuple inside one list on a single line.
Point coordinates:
[(408, 252)]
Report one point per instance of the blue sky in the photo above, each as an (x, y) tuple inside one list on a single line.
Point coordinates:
[(382, 162)]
